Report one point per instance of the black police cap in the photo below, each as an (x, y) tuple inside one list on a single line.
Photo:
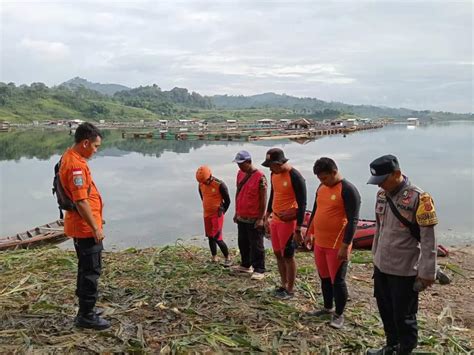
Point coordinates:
[(382, 167)]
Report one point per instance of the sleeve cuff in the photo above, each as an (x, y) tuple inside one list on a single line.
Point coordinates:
[(79, 195)]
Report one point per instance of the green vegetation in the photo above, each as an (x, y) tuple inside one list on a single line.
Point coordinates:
[(78, 99), (318, 109), (106, 89), (172, 299), (37, 102)]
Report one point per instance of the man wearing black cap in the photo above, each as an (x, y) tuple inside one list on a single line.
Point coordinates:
[(333, 224), (287, 206), (404, 252)]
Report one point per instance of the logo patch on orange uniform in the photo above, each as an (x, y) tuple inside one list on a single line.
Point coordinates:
[(77, 177)]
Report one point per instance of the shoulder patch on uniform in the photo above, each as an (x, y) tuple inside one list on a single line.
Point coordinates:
[(426, 213), (77, 177), (78, 180)]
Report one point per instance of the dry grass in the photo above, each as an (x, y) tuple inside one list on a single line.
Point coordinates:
[(173, 300)]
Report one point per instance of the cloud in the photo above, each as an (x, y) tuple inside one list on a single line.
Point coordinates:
[(417, 53), (46, 49), (255, 67)]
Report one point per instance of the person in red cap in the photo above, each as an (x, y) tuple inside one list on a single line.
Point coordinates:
[(215, 202), (286, 207)]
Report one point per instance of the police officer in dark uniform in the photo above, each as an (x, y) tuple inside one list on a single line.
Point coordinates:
[(404, 252)]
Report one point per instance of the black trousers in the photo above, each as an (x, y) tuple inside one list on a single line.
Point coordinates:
[(89, 268), (336, 292), (213, 243), (252, 250), (398, 305)]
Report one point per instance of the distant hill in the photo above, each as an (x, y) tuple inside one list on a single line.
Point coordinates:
[(37, 102), (106, 89), (81, 99), (315, 108)]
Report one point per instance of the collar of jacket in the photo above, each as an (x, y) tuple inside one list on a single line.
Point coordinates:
[(400, 187)]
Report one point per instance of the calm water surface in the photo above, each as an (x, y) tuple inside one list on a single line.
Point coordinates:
[(150, 192)]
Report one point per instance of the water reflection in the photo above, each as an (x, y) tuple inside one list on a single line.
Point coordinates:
[(42, 144), (151, 196)]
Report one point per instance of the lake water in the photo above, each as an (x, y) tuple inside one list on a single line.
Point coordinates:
[(150, 192)]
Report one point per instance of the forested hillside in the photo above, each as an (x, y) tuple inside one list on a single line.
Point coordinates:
[(106, 89), (76, 99), (37, 102), (317, 108)]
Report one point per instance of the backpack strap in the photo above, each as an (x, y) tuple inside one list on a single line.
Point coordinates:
[(413, 227), (56, 173), (244, 180), (57, 167)]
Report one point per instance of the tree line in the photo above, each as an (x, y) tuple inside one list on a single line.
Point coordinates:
[(39, 100)]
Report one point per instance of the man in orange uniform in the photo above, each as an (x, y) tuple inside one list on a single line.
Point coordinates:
[(334, 221), (84, 223), (215, 202), (287, 206)]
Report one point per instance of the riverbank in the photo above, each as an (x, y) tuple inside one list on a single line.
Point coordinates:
[(173, 299)]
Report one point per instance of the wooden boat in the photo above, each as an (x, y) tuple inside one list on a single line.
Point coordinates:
[(50, 233)]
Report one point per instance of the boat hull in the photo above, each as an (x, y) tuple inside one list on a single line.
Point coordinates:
[(50, 233), (363, 237)]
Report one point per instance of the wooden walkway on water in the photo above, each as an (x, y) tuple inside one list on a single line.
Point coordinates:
[(247, 134)]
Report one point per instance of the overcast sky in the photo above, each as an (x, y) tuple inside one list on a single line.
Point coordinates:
[(400, 54)]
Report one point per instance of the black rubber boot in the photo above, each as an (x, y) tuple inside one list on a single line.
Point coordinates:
[(91, 321)]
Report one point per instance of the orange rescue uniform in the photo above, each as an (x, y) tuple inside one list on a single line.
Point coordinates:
[(211, 197), (330, 220), (284, 197), (77, 181)]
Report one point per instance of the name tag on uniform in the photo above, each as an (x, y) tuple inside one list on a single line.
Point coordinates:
[(380, 207)]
